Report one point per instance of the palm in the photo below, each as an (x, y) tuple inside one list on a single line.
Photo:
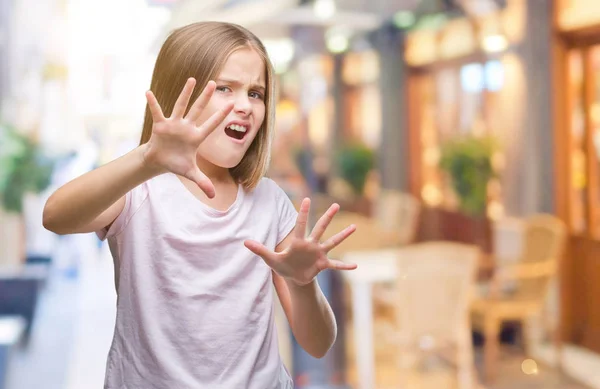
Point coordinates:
[(175, 140), (304, 258)]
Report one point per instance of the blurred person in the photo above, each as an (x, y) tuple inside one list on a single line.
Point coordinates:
[(284, 168), (198, 235)]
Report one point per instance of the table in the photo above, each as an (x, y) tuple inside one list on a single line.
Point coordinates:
[(373, 267)]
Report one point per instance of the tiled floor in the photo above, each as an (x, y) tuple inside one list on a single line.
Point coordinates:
[(444, 378), (435, 373), (511, 376), (75, 323)]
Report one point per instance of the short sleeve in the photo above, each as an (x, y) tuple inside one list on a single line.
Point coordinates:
[(133, 201), (286, 211)]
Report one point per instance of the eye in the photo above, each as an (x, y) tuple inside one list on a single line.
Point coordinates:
[(223, 89), (256, 95)]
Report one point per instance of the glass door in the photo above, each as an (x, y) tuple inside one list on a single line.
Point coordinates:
[(593, 139), (584, 145)]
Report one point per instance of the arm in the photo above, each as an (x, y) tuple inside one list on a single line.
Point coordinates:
[(296, 262), (525, 270), (308, 312), (94, 200)]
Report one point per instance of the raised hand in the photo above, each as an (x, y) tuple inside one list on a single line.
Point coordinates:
[(175, 140), (304, 257)]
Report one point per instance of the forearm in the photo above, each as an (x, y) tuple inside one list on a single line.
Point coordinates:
[(313, 322), (83, 199)]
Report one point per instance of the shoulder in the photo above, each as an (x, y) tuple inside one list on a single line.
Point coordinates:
[(267, 186), (156, 188), (164, 184), (268, 190)]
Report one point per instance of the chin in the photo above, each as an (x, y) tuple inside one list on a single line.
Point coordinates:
[(222, 154), (225, 163), (231, 164)]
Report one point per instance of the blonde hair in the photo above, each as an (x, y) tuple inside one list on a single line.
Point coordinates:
[(200, 50)]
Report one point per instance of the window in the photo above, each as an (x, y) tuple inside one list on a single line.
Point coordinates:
[(454, 101)]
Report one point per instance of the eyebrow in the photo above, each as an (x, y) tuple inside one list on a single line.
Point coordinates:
[(238, 83)]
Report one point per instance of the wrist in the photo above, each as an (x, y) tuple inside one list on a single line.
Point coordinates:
[(304, 287), (149, 167)]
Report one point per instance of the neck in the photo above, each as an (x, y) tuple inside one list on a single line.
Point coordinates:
[(215, 173)]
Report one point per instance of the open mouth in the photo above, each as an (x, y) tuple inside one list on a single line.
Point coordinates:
[(236, 131)]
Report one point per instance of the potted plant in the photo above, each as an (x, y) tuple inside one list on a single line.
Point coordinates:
[(354, 164), (24, 169), (468, 162), (355, 161)]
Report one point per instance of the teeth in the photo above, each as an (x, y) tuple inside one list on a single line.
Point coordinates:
[(239, 128)]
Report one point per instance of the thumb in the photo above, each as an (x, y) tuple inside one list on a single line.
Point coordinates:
[(202, 181), (260, 250)]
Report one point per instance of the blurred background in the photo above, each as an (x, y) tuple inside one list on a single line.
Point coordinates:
[(461, 136)]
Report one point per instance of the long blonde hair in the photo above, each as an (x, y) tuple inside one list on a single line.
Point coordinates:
[(200, 50)]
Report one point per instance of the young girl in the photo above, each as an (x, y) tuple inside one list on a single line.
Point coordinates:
[(197, 234)]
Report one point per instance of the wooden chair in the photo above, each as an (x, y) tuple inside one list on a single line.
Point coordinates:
[(529, 278), (394, 223), (434, 289)]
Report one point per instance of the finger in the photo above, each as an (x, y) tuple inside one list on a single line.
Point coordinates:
[(184, 98), (338, 238), (202, 181), (201, 102), (323, 222), (302, 220), (213, 122), (267, 255), (339, 265), (155, 110)]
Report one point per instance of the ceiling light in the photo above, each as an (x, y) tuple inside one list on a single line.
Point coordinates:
[(495, 43), (324, 9), (281, 52), (337, 39)]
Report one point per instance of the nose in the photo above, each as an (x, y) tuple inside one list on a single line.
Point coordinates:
[(242, 104)]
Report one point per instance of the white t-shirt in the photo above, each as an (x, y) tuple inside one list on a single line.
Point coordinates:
[(194, 305)]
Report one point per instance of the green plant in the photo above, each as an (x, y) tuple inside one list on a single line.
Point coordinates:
[(354, 162), (468, 163), (23, 168)]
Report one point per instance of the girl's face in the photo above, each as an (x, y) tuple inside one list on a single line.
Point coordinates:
[(242, 80)]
